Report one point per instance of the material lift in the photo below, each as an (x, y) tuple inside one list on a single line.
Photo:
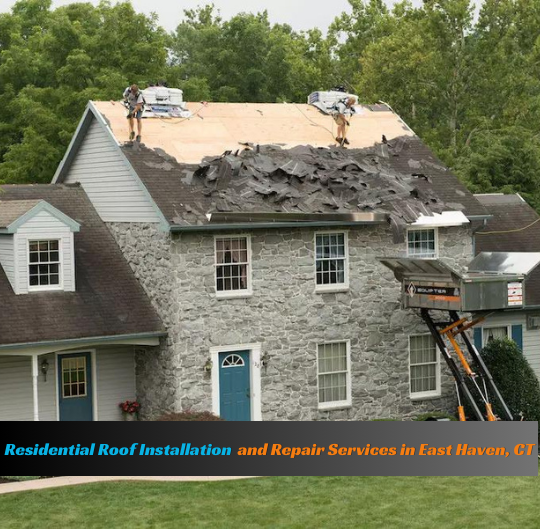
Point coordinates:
[(495, 281)]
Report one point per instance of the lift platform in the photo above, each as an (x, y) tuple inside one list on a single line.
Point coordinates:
[(493, 282)]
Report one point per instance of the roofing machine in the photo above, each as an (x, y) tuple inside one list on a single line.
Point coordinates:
[(493, 282)]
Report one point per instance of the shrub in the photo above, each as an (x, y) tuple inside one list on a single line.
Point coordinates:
[(190, 416), (433, 416), (515, 379)]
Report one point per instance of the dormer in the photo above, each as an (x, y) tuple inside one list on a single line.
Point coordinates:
[(37, 246)]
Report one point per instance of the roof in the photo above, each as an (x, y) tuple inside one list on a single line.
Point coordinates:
[(219, 127), (504, 233), (182, 164), (14, 213), (10, 211), (108, 301)]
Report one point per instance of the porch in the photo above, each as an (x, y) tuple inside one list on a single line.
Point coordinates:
[(85, 383)]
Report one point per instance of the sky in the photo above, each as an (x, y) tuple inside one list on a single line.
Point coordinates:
[(300, 14)]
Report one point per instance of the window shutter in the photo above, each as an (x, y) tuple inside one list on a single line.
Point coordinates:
[(517, 335), (478, 338)]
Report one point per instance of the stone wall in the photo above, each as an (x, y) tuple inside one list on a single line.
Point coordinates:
[(287, 317)]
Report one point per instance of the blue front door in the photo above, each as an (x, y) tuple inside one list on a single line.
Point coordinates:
[(234, 386), (75, 387)]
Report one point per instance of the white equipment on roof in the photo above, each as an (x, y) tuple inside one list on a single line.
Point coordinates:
[(325, 101), (164, 102)]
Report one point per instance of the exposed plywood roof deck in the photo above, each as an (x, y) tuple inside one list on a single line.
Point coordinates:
[(220, 127)]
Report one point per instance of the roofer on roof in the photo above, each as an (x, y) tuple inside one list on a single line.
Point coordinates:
[(342, 111), (135, 103)]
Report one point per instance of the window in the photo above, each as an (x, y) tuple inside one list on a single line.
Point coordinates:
[(232, 266), (331, 261), (74, 377), (334, 375), (44, 264), (422, 243), (424, 367), (494, 333)]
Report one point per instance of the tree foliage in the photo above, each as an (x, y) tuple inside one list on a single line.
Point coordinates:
[(469, 87)]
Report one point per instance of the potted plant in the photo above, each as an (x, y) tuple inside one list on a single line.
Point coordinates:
[(130, 409)]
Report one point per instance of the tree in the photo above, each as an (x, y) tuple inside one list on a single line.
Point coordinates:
[(514, 378)]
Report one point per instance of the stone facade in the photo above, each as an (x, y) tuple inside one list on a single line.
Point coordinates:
[(287, 317)]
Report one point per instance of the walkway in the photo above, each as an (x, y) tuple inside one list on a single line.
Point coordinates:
[(48, 483)]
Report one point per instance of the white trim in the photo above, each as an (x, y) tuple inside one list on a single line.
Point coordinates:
[(446, 219), (94, 379), (16, 271), (231, 294), (425, 395), (35, 391), (343, 404), (61, 267), (338, 287), (436, 241), (254, 371)]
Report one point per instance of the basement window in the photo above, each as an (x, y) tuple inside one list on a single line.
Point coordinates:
[(233, 268), (422, 244), (331, 263), (424, 367), (334, 375), (44, 268)]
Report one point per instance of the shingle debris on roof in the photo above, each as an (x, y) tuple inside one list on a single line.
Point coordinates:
[(304, 179)]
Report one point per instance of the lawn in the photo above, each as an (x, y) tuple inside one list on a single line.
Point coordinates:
[(292, 502)]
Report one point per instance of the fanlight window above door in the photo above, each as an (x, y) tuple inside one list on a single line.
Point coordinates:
[(233, 360)]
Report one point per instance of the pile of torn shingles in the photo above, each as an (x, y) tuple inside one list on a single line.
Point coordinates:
[(312, 180)]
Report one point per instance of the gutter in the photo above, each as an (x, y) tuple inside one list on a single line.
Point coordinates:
[(175, 228), (94, 340)]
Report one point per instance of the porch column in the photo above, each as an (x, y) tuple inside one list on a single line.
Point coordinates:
[(35, 374)]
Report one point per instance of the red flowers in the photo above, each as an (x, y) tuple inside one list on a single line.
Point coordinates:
[(130, 406)]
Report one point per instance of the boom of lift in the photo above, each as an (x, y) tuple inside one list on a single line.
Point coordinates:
[(494, 282)]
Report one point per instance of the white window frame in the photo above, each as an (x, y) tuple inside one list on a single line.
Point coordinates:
[(343, 404), (493, 326), (231, 294), (46, 288), (426, 394), (436, 241), (338, 287)]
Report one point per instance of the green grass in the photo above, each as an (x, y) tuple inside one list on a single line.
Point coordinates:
[(292, 502)]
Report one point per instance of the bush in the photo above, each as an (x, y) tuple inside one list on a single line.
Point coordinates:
[(433, 416), (515, 379), (190, 416)]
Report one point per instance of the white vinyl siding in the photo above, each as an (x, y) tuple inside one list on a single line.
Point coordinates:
[(16, 398), (531, 338), (108, 181), (115, 370), (45, 226), (7, 257)]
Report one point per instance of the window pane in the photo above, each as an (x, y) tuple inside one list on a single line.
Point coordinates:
[(333, 372), (330, 259), (231, 264), (423, 364), (47, 270), (495, 333), (421, 243)]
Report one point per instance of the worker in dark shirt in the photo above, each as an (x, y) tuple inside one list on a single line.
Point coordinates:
[(135, 102)]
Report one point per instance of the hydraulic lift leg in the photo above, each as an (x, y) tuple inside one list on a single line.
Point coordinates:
[(475, 355), (460, 381)]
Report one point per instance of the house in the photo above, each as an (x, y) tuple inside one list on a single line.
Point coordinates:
[(513, 227), (260, 255), (72, 312)]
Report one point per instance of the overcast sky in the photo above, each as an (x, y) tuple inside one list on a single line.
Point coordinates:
[(300, 14)]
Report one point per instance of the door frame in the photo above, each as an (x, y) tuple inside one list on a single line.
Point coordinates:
[(255, 366), (94, 380)]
